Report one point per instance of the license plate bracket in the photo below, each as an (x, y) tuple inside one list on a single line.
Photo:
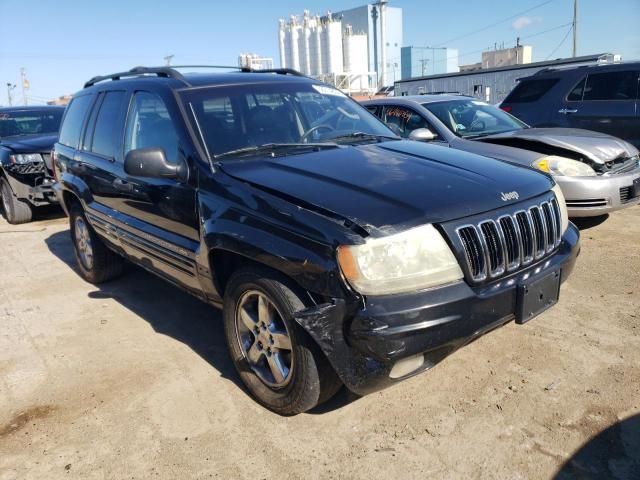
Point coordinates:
[(537, 295)]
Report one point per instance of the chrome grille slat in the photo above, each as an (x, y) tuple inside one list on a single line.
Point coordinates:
[(495, 246)]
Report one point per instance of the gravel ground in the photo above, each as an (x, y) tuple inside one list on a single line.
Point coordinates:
[(132, 380)]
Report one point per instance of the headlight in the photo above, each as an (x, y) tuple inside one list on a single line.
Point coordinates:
[(412, 260), (564, 166), (564, 215), (23, 158)]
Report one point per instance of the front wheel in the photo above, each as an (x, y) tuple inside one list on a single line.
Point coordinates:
[(96, 262), (278, 362), (15, 211)]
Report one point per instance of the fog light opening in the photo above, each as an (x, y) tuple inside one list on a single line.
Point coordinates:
[(406, 366)]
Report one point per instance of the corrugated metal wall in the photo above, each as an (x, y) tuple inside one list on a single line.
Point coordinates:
[(491, 87)]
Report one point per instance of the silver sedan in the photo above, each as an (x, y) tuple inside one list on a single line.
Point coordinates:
[(597, 173)]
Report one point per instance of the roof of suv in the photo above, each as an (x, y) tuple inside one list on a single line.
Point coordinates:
[(584, 69), (170, 75)]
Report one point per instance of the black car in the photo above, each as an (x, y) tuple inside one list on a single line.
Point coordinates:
[(27, 135), (339, 252), (603, 98)]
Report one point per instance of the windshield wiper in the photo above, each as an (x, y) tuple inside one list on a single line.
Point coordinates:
[(275, 149), (365, 136)]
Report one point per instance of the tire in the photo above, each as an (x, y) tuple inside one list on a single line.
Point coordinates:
[(97, 264), (15, 211), (309, 380)]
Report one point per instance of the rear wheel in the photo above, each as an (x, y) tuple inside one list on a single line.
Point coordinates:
[(279, 363), (96, 262), (16, 211)]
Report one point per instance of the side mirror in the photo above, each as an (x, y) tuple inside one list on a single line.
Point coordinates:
[(152, 162), (422, 135)]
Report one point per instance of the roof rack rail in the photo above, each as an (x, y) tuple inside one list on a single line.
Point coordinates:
[(166, 72), (172, 72), (280, 71)]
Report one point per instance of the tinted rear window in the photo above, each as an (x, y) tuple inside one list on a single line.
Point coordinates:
[(530, 90), (73, 120), (611, 86), (108, 130)]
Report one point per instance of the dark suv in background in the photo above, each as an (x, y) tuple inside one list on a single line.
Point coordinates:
[(603, 97), (27, 135), (339, 252)]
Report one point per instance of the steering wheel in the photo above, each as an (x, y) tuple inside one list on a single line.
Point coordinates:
[(305, 136), (477, 125)]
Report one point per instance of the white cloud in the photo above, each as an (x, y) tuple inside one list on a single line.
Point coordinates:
[(524, 22)]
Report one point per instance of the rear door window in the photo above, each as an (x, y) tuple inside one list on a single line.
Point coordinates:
[(575, 95), (611, 86), (530, 90), (74, 120), (107, 134)]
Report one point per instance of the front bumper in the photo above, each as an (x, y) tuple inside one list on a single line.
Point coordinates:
[(592, 196), (364, 342), (34, 186)]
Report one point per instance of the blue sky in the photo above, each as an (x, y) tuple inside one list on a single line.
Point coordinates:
[(62, 43)]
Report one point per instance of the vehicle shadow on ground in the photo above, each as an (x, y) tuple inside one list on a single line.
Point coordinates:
[(613, 453), (585, 223), (174, 313)]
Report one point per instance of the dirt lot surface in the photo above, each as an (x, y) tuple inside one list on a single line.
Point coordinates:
[(132, 380)]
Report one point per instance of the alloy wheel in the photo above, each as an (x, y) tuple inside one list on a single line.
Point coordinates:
[(83, 243), (264, 339)]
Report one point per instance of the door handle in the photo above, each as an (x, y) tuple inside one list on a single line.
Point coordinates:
[(568, 110), (123, 186)]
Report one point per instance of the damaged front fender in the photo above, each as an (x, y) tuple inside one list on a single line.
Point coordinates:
[(325, 323)]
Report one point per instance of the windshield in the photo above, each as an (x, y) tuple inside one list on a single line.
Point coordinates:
[(239, 119), (28, 122), (472, 118)]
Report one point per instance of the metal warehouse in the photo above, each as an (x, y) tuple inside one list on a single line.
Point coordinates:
[(491, 85)]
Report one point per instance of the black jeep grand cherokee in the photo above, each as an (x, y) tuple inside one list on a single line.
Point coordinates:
[(339, 253)]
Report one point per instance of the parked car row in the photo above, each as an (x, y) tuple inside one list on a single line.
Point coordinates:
[(597, 173), (340, 252)]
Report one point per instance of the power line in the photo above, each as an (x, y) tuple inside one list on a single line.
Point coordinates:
[(493, 24), (561, 42)]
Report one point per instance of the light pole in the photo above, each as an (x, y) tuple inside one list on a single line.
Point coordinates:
[(10, 87)]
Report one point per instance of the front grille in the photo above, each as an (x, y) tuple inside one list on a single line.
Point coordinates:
[(28, 168), (626, 194), (494, 247)]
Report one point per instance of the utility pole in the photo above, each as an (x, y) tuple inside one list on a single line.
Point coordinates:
[(575, 27), (383, 50), (374, 18), (24, 83), (10, 87), (167, 60)]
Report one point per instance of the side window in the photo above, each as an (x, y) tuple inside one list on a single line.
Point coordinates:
[(611, 86), (73, 120), (107, 134), (575, 95), (373, 109), (150, 126), (403, 121), (530, 90)]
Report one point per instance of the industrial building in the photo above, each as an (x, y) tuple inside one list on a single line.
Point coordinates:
[(358, 50), (491, 85), (423, 61)]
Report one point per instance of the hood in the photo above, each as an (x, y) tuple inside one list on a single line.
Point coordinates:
[(30, 143), (390, 186), (597, 147)]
